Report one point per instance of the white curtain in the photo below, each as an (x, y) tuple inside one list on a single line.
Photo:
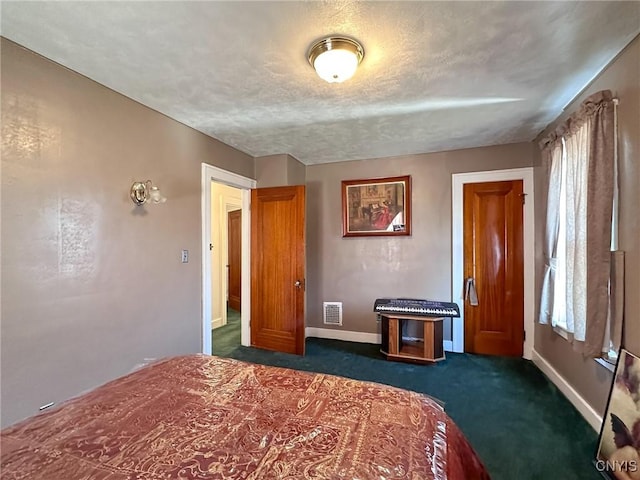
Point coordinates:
[(553, 160), (579, 156), (572, 250)]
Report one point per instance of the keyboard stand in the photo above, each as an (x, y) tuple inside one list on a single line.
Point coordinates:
[(428, 350)]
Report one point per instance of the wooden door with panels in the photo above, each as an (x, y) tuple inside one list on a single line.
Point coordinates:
[(494, 268), (278, 268), (234, 252)]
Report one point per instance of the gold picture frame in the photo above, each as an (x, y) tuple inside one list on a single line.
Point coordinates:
[(376, 207)]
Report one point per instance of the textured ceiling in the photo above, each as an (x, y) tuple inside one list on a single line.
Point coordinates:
[(436, 75)]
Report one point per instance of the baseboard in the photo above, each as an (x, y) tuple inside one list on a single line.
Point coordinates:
[(216, 322), (349, 336), (589, 414), (360, 337)]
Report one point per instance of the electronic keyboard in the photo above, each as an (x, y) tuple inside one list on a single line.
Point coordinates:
[(414, 306)]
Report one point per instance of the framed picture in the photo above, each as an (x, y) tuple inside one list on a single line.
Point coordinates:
[(617, 456), (376, 207)]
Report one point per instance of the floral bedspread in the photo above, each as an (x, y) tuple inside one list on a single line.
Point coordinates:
[(205, 417)]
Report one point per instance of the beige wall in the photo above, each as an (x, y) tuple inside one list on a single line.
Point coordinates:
[(279, 170), (92, 285), (590, 379), (357, 270), (296, 171)]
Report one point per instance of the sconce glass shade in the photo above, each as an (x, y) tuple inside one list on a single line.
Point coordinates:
[(335, 59), (155, 196), (142, 192)]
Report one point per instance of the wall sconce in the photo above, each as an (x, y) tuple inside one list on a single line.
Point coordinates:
[(142, 192)]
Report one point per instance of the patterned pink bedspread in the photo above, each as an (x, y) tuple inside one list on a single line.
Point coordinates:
[(202, 417)]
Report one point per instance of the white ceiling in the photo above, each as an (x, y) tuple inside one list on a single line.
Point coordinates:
[(436, 75)]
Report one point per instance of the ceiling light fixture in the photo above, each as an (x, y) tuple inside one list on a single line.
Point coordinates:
[(335, 59)]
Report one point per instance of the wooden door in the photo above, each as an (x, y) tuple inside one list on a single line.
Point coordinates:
[(493, 259), (277, 268), (234, 241)]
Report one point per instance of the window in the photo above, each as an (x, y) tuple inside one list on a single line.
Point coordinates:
[(580, 157), (570, 302)]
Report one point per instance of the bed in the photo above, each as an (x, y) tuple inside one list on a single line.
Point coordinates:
[(206, 417)]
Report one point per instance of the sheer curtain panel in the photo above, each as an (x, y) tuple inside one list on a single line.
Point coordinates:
[(579, 158)]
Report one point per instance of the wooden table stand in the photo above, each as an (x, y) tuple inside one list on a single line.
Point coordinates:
[(430, 349)]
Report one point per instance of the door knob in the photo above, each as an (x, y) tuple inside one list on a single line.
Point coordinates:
[(298, 284)]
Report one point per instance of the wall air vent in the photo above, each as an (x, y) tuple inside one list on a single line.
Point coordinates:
[(332, 313)]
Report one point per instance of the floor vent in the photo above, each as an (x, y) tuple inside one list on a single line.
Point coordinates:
[(332, 313)]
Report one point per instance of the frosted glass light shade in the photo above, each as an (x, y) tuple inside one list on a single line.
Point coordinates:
[(155, 196), (336, 66), (336, 59)]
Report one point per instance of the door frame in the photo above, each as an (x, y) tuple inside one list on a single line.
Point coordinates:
[(215, 174), (457, 250)]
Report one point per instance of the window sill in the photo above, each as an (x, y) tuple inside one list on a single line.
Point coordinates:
[(608, 365), (562, 332)]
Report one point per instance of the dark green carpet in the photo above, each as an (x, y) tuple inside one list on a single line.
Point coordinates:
[(519, 423), (225, 339)]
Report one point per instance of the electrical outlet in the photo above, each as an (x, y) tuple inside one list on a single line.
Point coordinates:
[(185, 256)]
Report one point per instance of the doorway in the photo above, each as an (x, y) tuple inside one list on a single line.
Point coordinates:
[(214, 292), (225, 252), (457, 342), (276, 209)]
